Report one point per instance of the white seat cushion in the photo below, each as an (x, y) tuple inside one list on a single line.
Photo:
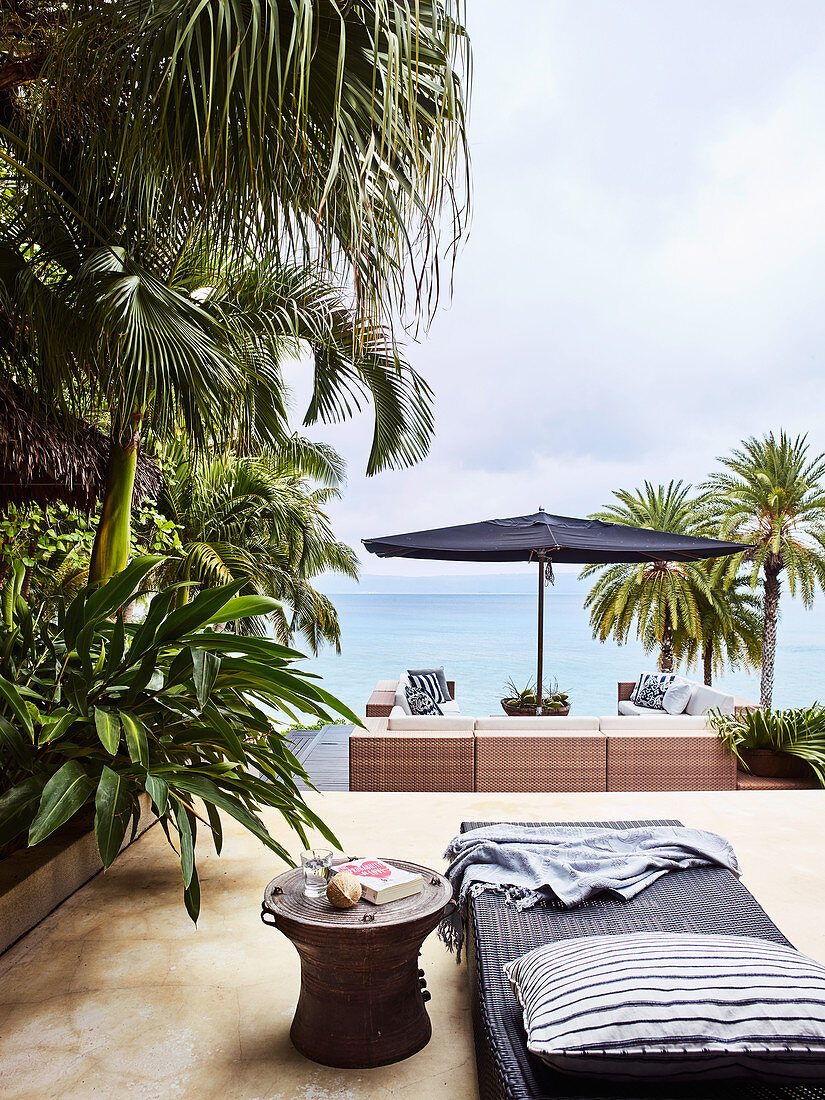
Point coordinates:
[(424, 723), (650, 723), (626, 707), (503, 723)]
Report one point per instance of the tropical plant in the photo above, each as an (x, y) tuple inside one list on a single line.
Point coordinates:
[(526, 697), (152, 154), (799, 732), (730, 624), (44, 552), (98, 711), (660, 599), (256, 518), (771, 495)]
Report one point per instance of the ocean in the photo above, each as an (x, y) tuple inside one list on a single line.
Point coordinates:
[(482, 640)]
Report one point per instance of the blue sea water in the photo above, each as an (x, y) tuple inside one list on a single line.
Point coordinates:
[(483, 639)]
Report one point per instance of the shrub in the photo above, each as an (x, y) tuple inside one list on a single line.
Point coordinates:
[(799, 732), (97, 710)]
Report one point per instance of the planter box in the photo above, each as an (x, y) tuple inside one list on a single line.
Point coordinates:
[(34, 881)]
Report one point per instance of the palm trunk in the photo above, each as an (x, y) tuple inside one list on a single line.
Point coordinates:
[(113, 538), (770, 608), (666, 659), (182, 593), (707, 661)]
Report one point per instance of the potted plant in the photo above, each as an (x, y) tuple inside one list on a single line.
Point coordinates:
[(779, 744), (523, 702)]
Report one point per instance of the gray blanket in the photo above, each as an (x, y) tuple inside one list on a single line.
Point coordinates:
[(570, 864)]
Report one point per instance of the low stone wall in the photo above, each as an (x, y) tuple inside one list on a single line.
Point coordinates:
[(34, 881)]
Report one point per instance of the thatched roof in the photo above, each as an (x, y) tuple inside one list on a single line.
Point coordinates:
[(42, 460)]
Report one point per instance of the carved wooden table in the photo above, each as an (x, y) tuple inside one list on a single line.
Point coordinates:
[(362, 994)]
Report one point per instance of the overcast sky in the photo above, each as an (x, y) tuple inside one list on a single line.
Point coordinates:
[(642, 284)]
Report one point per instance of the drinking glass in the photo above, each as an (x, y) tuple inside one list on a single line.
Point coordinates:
[(316, 863)]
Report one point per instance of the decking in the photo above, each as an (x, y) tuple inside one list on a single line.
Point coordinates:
[(325, 755)]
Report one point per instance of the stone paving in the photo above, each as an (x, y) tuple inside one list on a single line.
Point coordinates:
[(116, 994)]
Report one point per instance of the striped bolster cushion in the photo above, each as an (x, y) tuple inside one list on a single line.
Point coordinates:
[(429, 682), (673, 1005)]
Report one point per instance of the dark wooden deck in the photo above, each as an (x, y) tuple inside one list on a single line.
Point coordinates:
[(325, 755)]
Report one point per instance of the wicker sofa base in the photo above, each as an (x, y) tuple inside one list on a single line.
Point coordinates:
[(704, 900)]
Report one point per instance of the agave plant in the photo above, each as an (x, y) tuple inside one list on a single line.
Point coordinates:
[(94, 710), (799, 732), (551, 697)]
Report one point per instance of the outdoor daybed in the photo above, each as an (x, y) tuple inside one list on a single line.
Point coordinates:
[(703, 900)]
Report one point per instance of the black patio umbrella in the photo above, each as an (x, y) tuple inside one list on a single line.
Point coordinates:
[(546, 538)]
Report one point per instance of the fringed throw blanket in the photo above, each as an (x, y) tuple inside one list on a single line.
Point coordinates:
[(569, 864)]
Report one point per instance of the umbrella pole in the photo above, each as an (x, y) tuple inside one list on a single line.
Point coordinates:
[(539, 670)]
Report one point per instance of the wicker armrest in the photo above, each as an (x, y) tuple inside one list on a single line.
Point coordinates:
[(626, 689), (382, 700), (451, 688)]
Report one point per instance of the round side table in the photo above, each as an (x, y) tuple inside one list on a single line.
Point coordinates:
[(362, 995)]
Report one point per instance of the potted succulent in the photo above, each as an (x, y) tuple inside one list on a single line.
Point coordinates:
[(523, 702), (779, 744)]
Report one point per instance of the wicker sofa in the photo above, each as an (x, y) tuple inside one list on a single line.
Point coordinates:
[(549, 754)]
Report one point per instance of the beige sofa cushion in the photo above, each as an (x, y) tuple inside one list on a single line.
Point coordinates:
[(502, 723), (426, 723), (652, 723)]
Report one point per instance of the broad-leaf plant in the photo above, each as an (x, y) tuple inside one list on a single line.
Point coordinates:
[(98, 711)]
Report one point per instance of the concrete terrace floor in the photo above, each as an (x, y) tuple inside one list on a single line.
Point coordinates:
[(116, 994)]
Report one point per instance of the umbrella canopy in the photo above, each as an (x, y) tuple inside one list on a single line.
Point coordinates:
[(546, 538), (560, 538)]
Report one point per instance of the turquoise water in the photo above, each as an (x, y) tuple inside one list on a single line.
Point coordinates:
[(483, 639)]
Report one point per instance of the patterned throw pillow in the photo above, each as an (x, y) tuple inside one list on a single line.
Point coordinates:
[(674, 1006), (420, 702), (430, 680), (651, 688)]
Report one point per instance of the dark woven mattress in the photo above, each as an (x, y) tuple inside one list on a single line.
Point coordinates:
[(706, 899)]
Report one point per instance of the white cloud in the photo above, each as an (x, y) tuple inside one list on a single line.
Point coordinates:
[(642, 284)]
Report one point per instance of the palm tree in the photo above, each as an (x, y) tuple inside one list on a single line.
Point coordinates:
[(165, 163), (730, 624), (256, 517), (660, 599), (771, 495)]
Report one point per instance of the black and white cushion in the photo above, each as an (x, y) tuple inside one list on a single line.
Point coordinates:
[(431, 680), (651, 688), (420, 702), (669, 1005)]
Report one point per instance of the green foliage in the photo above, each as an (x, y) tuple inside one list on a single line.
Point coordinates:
[(310, 727), (771, 495), (660, 599), (730, 624), (799, 732), (53, 546), (340, 125), (257, 518), (526, 696), (94, 710)]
